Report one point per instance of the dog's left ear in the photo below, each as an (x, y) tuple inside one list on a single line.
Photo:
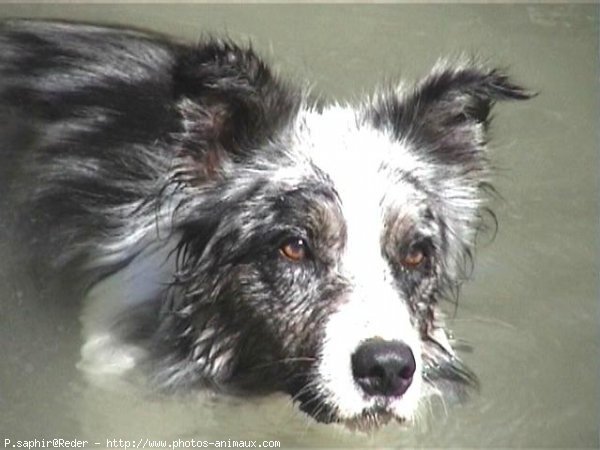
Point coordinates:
[(229, 101), (447, 113)]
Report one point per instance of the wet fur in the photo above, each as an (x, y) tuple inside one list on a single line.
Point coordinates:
[(190, 165)]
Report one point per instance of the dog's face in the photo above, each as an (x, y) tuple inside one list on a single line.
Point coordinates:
[(332, 244), (312, 245), (329, 263)]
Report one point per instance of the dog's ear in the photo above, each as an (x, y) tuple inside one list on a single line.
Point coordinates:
[(447, 113), (229, 101)]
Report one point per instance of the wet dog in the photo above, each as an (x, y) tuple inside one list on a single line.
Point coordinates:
[(232, 233)]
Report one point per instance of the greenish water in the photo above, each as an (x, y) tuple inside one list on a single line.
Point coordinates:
[(531, 312)]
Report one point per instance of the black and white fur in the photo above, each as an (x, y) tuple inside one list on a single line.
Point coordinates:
[(172, 181)]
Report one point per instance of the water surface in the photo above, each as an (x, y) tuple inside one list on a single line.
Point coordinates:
[(531, 311)]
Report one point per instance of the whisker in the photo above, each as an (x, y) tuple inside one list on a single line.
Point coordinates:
[(282, 361)]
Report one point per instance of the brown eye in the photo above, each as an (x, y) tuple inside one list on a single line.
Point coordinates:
[(294, 249), (414, 258)]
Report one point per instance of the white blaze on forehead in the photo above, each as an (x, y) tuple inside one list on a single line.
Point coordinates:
[(349, 152), (357, 159)]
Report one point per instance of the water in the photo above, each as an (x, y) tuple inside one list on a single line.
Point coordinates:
[(531, 311)]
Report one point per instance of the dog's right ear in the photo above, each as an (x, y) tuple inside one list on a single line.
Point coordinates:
[(229, 101)]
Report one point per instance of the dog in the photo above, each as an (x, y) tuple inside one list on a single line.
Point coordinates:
[(229, 232)]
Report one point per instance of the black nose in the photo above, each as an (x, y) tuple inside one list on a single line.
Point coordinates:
[(383, 367)]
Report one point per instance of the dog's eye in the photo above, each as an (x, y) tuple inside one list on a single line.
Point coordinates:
[(414, 258), (294, 249)]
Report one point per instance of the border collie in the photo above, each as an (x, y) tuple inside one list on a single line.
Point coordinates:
[(232, 233)]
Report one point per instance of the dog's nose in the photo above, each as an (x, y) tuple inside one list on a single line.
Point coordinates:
[(383, 367)]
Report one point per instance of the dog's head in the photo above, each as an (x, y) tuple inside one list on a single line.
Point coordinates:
[(318, 241)]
